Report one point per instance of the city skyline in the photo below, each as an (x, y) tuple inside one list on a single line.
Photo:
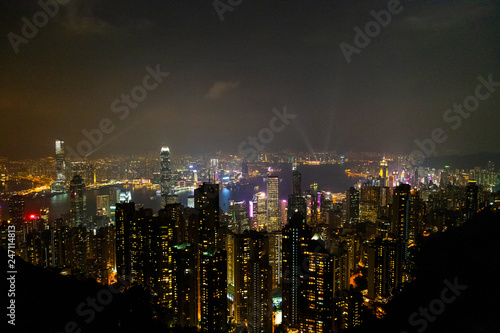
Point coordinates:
[(237, 166), (317, 262)]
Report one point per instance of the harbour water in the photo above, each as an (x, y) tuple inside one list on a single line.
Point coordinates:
[(329, 178)]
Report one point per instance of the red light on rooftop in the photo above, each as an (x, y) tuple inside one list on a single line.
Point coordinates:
[(32, 216)]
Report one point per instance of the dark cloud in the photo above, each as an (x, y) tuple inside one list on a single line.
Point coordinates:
[(227, 76)]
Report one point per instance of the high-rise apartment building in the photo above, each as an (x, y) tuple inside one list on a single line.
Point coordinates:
[(294, 233), (165, 175), (369, 203), (59, 184), (352, 197), (213, 291), (315, 311), (239, 216), (16, 210), (273, 212), (259, 213), (78, 202), (401, 204)]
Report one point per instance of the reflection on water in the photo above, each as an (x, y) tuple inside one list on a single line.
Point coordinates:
[(329, 177)]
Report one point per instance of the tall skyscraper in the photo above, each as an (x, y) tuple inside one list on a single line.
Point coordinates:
[(241, 276), (78, 201), (144, 248), (273, 212), (165, 175), (213, 291), (369, 203), (259, 212), (103, 205), (170, 233), (352, 196), (59, 184), (212, 261), (384, 172), (124, 216), (275, 257), (206, 202), (16, 210), (348, 311), (214, 169), (316, 288), (252, 281), (383, 265), (239, 216), (296, 183), (401, 224), (471, 201), (296, 202), (294, 233), (260, 285), (184, 285)]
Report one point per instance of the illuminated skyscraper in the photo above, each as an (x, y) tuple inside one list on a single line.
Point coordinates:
[(273, 213), (369, 203), (275, 257), (241, 276), (165, 175), (296, 183), (184, 285), (383, 265), (213, 291), (16, 210), (78, 201), (239, 216), (348, 311), (103, 205), (296, 202), (294, 233), (260, 285), (316, 290), (471, 201), (137, 245), (259, 211), (125, 215), (214, 169), (168, 219), (212, 262), (252, 281), (352, 197), (384, 172), (206, 202), (144, 248), (59, 184), (401, 224)]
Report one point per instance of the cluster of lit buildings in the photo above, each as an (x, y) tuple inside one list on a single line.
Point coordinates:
[(315, 262)]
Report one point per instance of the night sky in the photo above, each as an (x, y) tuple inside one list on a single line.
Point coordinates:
[(225, 77)]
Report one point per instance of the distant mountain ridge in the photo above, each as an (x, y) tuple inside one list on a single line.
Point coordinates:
[(463, 161)]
